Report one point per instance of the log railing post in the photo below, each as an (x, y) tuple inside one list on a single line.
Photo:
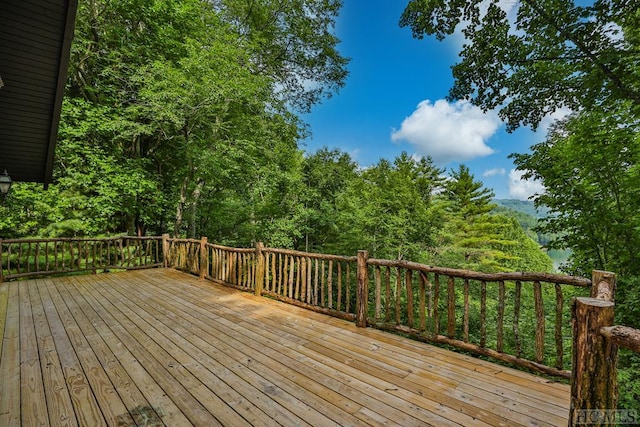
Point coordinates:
[(362, 292), (204, 258), (603, 285), (260, 273), (594, 377)]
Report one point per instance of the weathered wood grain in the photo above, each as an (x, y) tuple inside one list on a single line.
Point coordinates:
[(162, 347), (10, 360)]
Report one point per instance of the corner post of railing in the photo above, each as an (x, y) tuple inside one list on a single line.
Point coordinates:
[(594, 385), (603, 285), (362, 293), (165, 250), (260, 273), (204, 258)]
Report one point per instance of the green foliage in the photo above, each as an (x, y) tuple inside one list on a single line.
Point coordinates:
[(541, 56), (628, 313), (526, 221), (293, 44), (176, 110), (468, 197), (326, 177), (590, 158), (27, 211), (488, 243), (530, 58), (387, 208), (476, 238)]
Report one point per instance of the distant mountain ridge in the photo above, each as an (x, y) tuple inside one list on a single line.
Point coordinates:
[(524, 206), (527, 215)]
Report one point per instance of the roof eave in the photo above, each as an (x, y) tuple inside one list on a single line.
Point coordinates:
[(65, 55)]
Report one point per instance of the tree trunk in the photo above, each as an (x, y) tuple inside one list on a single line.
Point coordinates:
[(180, 208), (194, 207), (130, 224)]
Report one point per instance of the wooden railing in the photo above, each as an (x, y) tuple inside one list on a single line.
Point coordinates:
[(594, 388), (325, 283), (33, 257), (520, 318), (183, 254)]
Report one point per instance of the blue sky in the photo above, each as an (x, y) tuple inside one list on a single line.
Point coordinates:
[(394, 101)]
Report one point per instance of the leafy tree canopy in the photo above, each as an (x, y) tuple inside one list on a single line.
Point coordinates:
[(468, 196), (529, 58), (291, 42)]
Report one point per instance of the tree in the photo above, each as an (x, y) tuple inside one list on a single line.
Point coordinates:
[(590, 167), (467, 196), (539, 55), (388, 208), (190, 96), (291, 42), (326, 175), (475, 238)]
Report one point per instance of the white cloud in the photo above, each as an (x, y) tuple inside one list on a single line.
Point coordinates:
[(448, 132), (549, 119), (494, 172), (522, 189)]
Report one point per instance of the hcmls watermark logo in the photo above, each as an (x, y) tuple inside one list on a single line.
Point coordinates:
[(608, 416)]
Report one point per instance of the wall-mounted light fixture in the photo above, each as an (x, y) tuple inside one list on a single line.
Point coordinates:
[(5, 183)]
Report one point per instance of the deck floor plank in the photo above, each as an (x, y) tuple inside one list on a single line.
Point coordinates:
[(137, 406), (160, 347), (10, 360), (218, 394), (438, 376), (59, 404), (4, 299), (152, 393), (379, 393), (109, 401), (33, 403), (377, 369), (241, 363), (514, 417), (85, 405), (261, 339), (141, 346)]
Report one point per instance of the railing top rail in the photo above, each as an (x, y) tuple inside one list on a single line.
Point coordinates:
[(141, 237), (180, 240), (465, 274), (311, 254), (231, 249), (623, 336), (488, 277), (78, 239)]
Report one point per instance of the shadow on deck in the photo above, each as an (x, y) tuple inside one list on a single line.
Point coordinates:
[(160, 347)]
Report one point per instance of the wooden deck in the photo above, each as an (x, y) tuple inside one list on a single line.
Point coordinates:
[(159, 347)]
